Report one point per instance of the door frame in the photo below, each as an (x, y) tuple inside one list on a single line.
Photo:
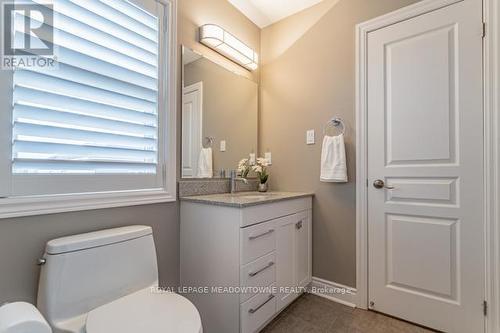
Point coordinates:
[(491, 51), (491, 61)]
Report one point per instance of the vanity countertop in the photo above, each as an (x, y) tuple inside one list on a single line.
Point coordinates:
[(245, 199)]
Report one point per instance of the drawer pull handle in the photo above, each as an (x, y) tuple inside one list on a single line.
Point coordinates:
[(298, 225), (258, 308), (270, 231), (271, 264)]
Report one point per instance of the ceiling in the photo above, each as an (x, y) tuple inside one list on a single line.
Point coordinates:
[(267, 12)]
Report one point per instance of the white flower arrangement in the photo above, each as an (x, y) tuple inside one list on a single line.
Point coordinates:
[(260, 168)]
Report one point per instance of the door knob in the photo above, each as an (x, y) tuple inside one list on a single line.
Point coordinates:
[(379, 183)]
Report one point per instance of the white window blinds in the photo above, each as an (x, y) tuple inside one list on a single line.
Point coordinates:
[(97, 113)]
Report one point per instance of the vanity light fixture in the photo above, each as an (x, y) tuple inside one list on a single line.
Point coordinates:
[(229, 46)]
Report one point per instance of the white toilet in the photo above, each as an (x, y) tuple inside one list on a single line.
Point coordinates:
[(105, 282)]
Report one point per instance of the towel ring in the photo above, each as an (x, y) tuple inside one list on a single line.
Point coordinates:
[(209, 141), (335, 122)]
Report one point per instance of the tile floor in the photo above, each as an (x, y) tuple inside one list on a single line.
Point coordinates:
[(313, 314)]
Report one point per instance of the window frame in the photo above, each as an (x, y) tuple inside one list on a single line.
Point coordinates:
[(12, 206)]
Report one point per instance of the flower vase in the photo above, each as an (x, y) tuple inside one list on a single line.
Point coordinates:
[(263, 187)]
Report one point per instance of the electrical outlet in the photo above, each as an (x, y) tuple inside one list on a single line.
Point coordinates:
[(223, 145), (268, 157), (310, 140)]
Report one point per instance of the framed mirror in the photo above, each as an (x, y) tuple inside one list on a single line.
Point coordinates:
[(219, 117)]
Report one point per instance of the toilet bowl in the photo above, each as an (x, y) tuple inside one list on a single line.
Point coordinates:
[(107, 282)]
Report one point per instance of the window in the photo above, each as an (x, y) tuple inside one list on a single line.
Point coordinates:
[(99, 122)]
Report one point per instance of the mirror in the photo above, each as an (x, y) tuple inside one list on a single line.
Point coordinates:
[(219, 117)]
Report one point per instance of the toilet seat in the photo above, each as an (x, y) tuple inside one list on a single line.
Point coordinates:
[(145, 311)]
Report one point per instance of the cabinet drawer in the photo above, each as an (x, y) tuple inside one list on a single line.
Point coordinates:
[(259, 273), (257, 241), (256, 214), (257, 311)]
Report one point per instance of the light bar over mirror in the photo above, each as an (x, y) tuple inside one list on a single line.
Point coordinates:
[(228, 45)]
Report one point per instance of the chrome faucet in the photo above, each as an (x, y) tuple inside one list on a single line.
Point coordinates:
[(235, 179)]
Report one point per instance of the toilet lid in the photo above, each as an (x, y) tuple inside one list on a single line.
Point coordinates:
[(145, 311)]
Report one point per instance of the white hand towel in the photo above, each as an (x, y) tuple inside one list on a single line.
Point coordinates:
[(333, 160), (205, 169)]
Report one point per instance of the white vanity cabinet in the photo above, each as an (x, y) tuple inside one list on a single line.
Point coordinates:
[(242, 265)]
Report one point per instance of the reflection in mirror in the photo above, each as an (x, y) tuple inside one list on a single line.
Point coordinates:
[(219, 118)]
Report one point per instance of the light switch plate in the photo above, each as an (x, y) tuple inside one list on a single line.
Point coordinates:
[(252, 159), (268, 157), (310, 140), (223, 145)]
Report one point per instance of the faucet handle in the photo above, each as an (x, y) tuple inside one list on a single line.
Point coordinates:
[(222, 173)]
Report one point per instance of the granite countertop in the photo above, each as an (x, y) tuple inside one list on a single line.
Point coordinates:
[(245, 199)]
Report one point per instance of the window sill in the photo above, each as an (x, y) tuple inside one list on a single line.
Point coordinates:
[(52, 204)]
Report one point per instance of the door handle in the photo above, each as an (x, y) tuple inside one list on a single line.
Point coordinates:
[(379, 183)]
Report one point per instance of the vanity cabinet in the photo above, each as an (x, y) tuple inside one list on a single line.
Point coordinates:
[(241, 266)]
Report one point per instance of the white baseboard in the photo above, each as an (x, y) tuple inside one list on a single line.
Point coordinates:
[(334, 291)]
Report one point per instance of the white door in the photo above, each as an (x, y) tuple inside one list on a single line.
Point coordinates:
[(192, 99), (425, 139)]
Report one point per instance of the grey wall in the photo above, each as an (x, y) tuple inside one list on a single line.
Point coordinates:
[(22, 240), (307, 77)]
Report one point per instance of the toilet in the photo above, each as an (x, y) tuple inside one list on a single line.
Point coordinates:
[(106, 282)]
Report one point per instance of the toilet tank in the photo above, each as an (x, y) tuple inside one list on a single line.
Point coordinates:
[(83, 272)]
